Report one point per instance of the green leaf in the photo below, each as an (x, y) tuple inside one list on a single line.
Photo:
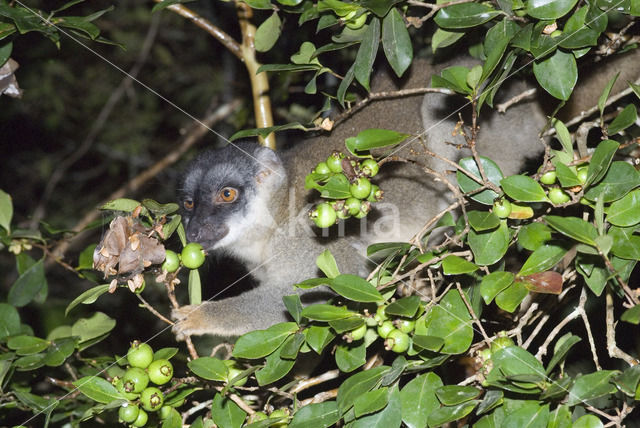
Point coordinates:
[(454, 78), (318, 337), (566, 176), (374, 138), (294, 306), (6, 209), (325, 312), (260, 343), (560, 418), (600, 161), (482, 220), (379, 7), (341, 93), (523, 188), (625, 244), (494, 283), (225, 413), (512, 362), (59, 350), (465, 15), (617, 182), (263, 132), (98, 389), (432, 343), (357, 385), (419, 399), (623, 120), (529, 414), (349, 357), (588, 421), (195, 287), (327, 264), (9, 321), (371, 401), (121, 204), (268, 33), (592, 385), (28, 285), (92, 328), (455, 265), (321, 415), (631, 315), (542, 259), (389, 417), (367, 53), (574, 228), (209, 368), (396, 42), (88, 297), (489, 246), (446, 414), (533, 235), (355, 288), (625, 211), (27, 345), (404, 307), (442, 38), (549, 9), (557, 74), (561, 349), (491, 169), (451, 395), (291, 346), (628, 380), (605, 93), (509, 298), (275, 368), (451, 321), (564, 136), (346, 324)]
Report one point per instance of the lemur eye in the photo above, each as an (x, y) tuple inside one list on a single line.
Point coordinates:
[(228, 194), (188, 204)]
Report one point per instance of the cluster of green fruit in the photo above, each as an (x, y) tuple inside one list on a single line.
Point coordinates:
[(134, 385), (395, 332), (277, 413), (557, 194), (192, 257), (362, 191)]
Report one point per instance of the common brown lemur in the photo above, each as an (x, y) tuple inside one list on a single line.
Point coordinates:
[(249, 202)]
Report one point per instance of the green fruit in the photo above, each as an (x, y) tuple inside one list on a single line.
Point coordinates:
[(501, 342), (381, 315), (160, 371), (141, 420), (135, 380), (375, 195), (397, 341), (558, 196), (164, 412), (385, 328), (361, 188), (548, 177), (556, 33), (334, 162), (193, 255), (128, 412), (279, 413), (140, 355), (405, 326), (502, 208), (128, 395), (151, 399), (358, 333), (171, 261), (324, 215), (322, 168), (352, 205), (257, 417), (370, 167), (582, 174)]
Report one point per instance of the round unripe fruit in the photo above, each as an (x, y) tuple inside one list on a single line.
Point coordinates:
[(128, 395), (556, 33), (141, 420), (370, 167), (160, 371), (334, 162), (324, 215), (358, 333), (502, 208), (151, 399), (279, 413), (135, 380), (164, 412), (501, 342), (397, 341), (193, 255), (548, 177), (376, 194), (385, 328), (361, 188), (381, 315), (558, 196), (257, 417), (582, 174), (352, 205), (405, 326), (171, 261), (322, 168), (128, 413), (140, 355)]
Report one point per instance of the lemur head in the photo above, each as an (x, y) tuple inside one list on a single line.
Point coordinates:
[(227, 194)]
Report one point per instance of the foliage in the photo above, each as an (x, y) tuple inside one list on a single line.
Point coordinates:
[(397, 359)]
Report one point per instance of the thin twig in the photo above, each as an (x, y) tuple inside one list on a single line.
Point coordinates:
[(612, 347)]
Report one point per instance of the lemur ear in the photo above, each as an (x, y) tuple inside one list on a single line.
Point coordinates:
[(271, 169)]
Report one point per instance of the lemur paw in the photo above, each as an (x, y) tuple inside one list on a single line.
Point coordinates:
[(188, 321)]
